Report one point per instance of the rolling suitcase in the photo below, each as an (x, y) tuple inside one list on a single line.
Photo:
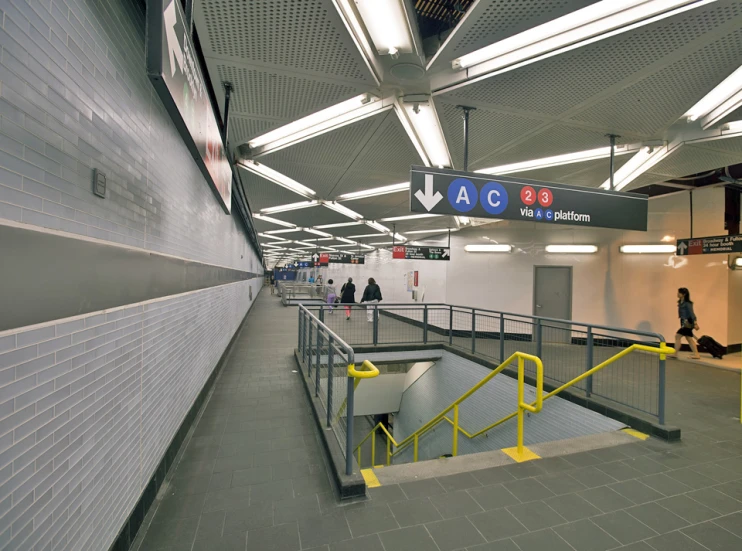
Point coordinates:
[(709, 345)]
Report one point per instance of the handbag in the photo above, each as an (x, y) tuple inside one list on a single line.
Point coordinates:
[(688, 324)]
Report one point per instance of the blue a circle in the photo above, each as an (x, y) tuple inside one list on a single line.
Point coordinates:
[(549, 215), (462, 194), (539, 214), (494, 198)]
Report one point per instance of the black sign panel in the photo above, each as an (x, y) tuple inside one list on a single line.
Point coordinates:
[(345, 258), (441, 191), (421, 253), (174, 70), (720, 244)]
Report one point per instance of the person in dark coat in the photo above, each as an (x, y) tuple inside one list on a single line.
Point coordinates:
[(371, 295), (348, 296)]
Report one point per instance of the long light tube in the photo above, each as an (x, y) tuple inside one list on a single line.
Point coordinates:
[(277, 178), (725, 98), (732, 127), (323, 121), (495, 248), (384, 190), (273, 220), (646, 249), (641, 162), (557, 160), (344, 240), (318, 232), (290, 206), (738, 262), (345, 211), (442, 230), (366, 235), (607, 17), (272, 236), (387, 24), (339, 225), (571, 249), (410, 217), (290, 230), (375, 225), (427, 128)]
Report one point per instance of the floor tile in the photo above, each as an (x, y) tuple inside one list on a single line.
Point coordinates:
[(675, 541), (606, 499), (175, 507), (714, 537), (732, 489), (619, 470), (454, 534), (500, 545), (529, 489), (455, 504), (582, 459), (284, 537), (553, 465), (592, 477), (583, 535), (732, 522), (664, 484), (657, 517), (366, 543), (422, 488), (688, 509), (296, 509), (636, 491), (414, 511), (270, 492), (561, 483), (226, 499), (456, 482), (623, 527), (254, 475), (329, 528), (493, 497), (645, 465), (536, 516), (373, 519), (414, 538), (714, 499), (691, 478), (524, 470), (494, 475), (543, 540), (573, 507), (497, 524), (386, 494)]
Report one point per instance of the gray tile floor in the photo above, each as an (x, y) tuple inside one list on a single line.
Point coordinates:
[(253, 477)]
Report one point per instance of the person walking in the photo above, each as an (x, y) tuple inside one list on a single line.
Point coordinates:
[(348, 296), (273, 284), (371, 295), (331, 294), (688, 322)]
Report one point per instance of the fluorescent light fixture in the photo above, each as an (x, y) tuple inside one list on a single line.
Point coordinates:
[(273, 220), (719, 102), (333, 117), (738, 262), (462, 220), (427, 129), (290, 206), (317, 232), (291, 230), (272, 246), (571, 249), (647, 249), (410, 217), (277, 178), (366, 246), (595, 22), (273, 236), (345, 241), (442, 230), (385, 243), (494, 248), (376, 226), (351, 245), (345, 211), (339, 225), (642, 161), (366, 235), (328, 249), (386, 22), (399, 237), (731, 127), (306, 244), (384, 190), (557, 160)]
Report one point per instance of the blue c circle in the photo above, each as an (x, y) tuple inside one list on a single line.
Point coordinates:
[(549, 215), (494, 198), (462, 194)]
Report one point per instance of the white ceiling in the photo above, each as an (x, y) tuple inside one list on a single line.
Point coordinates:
[(287, 59)]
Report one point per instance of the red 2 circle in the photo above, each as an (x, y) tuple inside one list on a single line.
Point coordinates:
[(528, 195), (545, 197)]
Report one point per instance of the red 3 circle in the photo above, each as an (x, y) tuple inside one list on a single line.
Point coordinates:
[(545, 197), (528, 195)]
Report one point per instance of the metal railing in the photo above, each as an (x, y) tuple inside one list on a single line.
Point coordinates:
[(328, 363), (567, 348), (293, 292), (535, 407)]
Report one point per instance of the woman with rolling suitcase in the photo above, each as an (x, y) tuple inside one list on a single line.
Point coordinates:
[(688, 322)]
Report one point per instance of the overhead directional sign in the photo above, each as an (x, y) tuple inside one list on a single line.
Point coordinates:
[(720, 244), (346, 258), (173, 68), (442, 191), (421, 253)]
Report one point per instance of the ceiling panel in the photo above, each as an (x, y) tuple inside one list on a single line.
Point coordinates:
[(262, 194), (588, 173), (345, 231), (373, 208), (242, 129), (728, 145), (312, 216), (687, 160), (321, 179), (489, 21)]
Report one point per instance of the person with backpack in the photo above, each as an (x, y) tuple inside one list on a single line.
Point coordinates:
[(348, 296), (331, 294), (371, 295), (688, 322)]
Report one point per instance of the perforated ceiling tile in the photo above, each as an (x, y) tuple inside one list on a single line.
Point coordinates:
[(242, 129), (727, 145), (489, 21), (646, 179), (347, 231), (657, 101), (566, 81), (261, 193), (589, 173), (313, 216), (321, 179), (300, 34), (373, 208), (687, 160), (278, 95), (488, 130)]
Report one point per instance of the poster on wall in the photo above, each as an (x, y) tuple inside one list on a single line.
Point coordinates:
[(173, 68)]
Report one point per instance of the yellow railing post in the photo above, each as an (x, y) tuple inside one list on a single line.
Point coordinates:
[(359, 457), (414, 455), (388, 451), (455, 446), (373, 450), (521, 383)]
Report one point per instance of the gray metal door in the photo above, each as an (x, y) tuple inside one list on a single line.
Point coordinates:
[(552, 298)]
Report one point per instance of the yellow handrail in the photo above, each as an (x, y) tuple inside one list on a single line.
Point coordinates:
[(663, 350)]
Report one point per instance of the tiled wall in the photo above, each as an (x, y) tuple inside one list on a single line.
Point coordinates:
[(74, 96), (89, 406)]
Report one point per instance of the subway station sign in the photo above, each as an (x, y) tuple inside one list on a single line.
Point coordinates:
[(442, 191), (323, 259), (720, 244), (421, 253), (173, 68)]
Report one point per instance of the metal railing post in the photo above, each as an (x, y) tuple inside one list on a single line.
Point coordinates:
[(589, 366), (330, 377), (298, 335), (349, 429), (425, 324), (450, 325), (317, 370), (321, 314), (309, 348), (538, 337), (661, 390), (376, 325), (473, 331), (502, 337)]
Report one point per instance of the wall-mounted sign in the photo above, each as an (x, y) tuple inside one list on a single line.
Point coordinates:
[(720, 244), (442, 191), (174, 70), (421, 253)]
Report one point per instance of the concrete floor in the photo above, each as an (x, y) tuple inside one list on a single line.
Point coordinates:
[(253, 477)]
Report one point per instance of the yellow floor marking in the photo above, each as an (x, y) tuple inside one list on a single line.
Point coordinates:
[(370, 478), (379, 467), (636, 434), (527, 454)]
